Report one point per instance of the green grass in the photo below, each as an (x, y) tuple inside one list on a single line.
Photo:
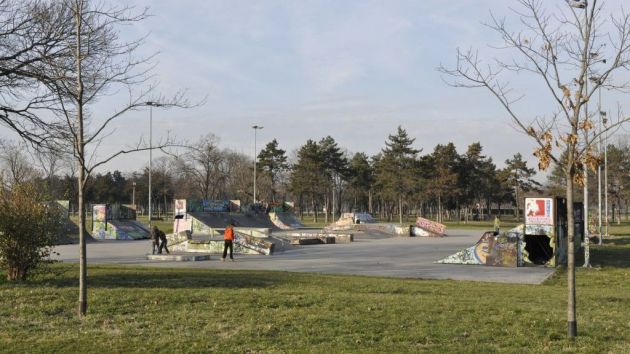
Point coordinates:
[(139, 310)]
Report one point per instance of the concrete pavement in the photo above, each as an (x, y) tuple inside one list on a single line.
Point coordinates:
[(369, 255)]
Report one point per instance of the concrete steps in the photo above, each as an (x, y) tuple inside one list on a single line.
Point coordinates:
[(179, 257)]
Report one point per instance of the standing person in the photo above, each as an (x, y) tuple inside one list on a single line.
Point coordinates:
[(228, 241), (155, 237), (497, 224), (163, 242)]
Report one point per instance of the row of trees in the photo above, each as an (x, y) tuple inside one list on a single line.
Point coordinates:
[(320, 175)]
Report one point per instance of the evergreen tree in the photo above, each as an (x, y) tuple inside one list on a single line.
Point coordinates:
[(520, 177), (336, 170), (308, 177), (396, 168), (442, 176), (361, 178), (272, 161)]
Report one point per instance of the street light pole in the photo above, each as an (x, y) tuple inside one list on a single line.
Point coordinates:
[(133, 195), (606, 175), (587, 248), (603, 119), (256, 128), (151, 105)]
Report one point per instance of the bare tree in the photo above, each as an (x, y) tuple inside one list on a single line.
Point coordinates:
[(564, 49), (96, 62), (15, 164), (202, 164), (31, 33)]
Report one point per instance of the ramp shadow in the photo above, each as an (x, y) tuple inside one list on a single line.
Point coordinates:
[(165, 279)]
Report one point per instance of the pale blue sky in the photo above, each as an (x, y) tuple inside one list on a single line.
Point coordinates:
[(354, 70)]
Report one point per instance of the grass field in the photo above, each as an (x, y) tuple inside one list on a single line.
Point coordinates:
[(138, 310)]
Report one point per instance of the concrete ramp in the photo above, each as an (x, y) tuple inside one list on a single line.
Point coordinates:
[(428, 228), (285, 220), (490, 250), (121, 230), (204, 222), (211, 243)]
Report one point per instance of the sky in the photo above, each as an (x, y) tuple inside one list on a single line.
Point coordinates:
[(354, 70)]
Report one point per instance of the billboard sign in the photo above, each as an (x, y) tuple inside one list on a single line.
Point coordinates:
[(539, 211), (180, 206)]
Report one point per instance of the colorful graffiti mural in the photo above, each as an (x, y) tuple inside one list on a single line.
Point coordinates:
[(490, 250), (431, 226), (205, 205), (116, 222)]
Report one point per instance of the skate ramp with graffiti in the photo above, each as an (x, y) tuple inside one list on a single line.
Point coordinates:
[(428, 228), (202, 222), (347, 221), (120, 230), (285, 220), (491, 250), (243, 243)]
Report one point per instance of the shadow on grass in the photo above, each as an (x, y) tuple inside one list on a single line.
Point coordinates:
[(111, 278), (619, 241), (610, 256)]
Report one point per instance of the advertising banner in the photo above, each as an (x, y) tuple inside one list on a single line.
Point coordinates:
[(180, 206), (539, 211)]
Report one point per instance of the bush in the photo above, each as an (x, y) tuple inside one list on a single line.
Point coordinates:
[(29, 228)]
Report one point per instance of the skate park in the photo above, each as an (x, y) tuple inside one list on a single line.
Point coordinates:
[(275, 240)]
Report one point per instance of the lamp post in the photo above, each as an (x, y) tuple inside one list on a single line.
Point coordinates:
[(151, 105), (587, 248), (133, 194), (256, 128), (605, 120)]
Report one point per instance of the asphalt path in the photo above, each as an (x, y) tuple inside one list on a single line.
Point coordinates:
[(368, 255)]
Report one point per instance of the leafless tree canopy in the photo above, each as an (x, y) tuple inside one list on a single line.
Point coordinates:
[(32, 33), (573, 51)]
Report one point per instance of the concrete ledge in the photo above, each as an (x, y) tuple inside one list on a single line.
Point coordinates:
[(178, 257), (323, 237)]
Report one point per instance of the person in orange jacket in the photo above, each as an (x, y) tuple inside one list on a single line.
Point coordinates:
[(228, 241)]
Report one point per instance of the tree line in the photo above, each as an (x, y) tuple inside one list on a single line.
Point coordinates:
[(321, 178)]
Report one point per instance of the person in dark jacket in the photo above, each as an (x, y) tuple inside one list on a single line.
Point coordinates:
[(163, 242), (155, 237)]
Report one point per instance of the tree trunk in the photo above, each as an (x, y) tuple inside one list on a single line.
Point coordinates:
[(400, 210), (327, 208), (439, 219), (82, 306), (80, 150), (571, 317)]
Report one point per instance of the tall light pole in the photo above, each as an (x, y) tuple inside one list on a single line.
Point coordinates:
[(256, 128), (151, 105), (133, 194), (606, 173), (603, 119), (587, 248)]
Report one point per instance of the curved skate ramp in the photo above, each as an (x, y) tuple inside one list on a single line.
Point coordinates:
[(121, 230), (490, 250), (211, 220), (285, 221)]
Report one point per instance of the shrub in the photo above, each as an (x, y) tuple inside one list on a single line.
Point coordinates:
[(29, 228)]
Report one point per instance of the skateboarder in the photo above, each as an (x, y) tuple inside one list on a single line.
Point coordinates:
[(155, 237), (163, 242), (497, 224), (228, 241)]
